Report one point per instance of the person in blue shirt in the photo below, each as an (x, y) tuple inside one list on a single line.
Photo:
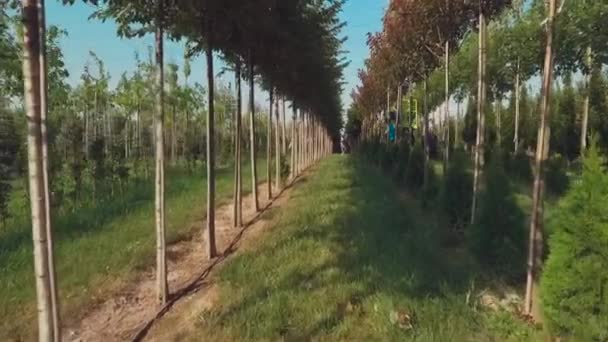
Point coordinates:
[(392, 129)]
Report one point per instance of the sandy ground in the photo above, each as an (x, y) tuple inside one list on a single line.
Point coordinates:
[(133, 314)]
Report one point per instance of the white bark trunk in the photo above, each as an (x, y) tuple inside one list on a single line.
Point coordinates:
[(585, 120), (254, 172), (481, 96), (210, 238), (36, 169), (162, 291), (536, 238)]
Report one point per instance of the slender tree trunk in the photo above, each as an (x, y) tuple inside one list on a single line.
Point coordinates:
[(237, 218), (36, 169), (210, 238), (535, 250), (399, 110), (162, 290), (126, 129), (294, 143), (481, 92), (585, 120), (446, 116), (277, 148), (425, 129), (499, 122), (301, 145), (96, 114), (254, 172), (284, 130), (173, 135), (86, 129), (45, 173), (269, 145), (517, 92), (456, 130)]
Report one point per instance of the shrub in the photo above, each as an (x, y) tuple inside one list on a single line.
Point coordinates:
[(457, 192), (518, 166), (497, 239), (403, 154), (556, 178), (574, 286), (414, 172)]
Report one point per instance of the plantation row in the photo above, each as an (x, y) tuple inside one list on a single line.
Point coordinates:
[(94, 152), (454, 84)]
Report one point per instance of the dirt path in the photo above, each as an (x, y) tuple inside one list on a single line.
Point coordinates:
[(131, 313)]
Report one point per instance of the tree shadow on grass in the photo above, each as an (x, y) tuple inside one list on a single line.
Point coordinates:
[(348, 237)]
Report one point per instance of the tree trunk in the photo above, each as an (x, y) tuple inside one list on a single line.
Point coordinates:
[(446, 117), (173, 135), (36, 170), (585, 120), (161, 257), (498, 122), (126, 129), (425, 132), (87, 120), (481, 95), (517, 92), (294, 143), (269, 145), (210, 238), (536, 239), (238, 207), (277, 148), (284, 130), (399, 110), (254, 172), (456, 131), (45, 173)]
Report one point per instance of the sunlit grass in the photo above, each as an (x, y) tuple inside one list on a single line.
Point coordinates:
[(98, 247), (346, 253)]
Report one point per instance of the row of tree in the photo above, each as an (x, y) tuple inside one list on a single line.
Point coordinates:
[(440, 52), (294, 51)]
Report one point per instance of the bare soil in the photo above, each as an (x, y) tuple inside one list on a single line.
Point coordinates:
[(132, 313)]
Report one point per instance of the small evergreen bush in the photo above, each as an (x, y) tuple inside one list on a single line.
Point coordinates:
[(574, 285), (457, 192), (498, 237)]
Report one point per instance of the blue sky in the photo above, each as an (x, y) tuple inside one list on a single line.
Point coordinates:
[(362, 16)]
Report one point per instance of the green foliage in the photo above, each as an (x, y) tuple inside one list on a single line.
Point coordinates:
[(457, 192), (341, 257), (403, 154), (414, 171), (556, 176), (574, 287), (565, 134), (498, 238), (518, 166), (9, 149)]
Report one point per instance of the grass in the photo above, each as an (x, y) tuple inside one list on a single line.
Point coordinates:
[(98, 248), (342, 258)]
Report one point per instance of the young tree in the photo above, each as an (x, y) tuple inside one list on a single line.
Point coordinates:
[(162, 288), (38, 196), (238, 190), (269, 144), (45, 167), (536, 237), (210, 239), (481, 99), (252, 141)]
